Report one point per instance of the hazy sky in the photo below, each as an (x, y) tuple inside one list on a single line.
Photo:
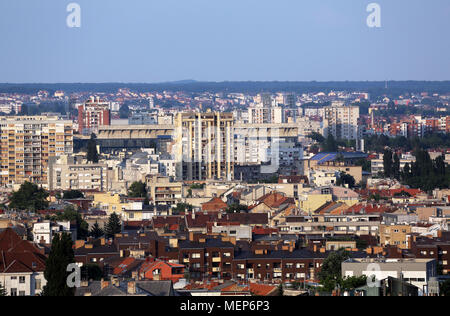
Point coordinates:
[(217, 40)]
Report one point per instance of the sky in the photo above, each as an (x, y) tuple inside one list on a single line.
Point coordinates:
[(223, 40)]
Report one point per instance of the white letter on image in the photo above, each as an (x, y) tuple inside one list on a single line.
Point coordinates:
[(374, 18), (74, 18)]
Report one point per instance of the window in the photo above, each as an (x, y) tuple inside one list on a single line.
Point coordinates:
[(38, 284), (21, 279), (195, 256), (21, 293), (13, 292)]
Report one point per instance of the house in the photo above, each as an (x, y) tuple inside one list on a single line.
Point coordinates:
[(161, 270), (22, 265), (214, 205), (127, 288)]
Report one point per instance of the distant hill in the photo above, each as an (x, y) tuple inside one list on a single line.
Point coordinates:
[(253, 87)]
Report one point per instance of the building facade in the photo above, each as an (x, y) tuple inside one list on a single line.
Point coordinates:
[(27, 144)]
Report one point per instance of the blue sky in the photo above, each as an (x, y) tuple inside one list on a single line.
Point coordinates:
[(217, 40)]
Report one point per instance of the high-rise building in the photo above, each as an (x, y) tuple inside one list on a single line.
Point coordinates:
[(342, 121), (27, 143), (93, 114), (204, 146)]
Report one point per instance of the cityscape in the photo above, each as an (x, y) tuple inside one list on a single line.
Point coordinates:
[(230, 189)]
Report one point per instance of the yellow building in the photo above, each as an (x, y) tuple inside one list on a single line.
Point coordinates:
[(395, 235), (311, 202), (110, 203)]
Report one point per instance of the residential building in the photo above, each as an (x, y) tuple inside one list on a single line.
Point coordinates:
[(27, 144)]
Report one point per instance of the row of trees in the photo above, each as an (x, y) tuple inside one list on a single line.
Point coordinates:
[(430, 140), (425, 173)]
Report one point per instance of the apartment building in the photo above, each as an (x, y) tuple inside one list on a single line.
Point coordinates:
[(27, 144), (64, 173), (163, 191), (342, 121), (204, 146), (93, 114), (395, 235)]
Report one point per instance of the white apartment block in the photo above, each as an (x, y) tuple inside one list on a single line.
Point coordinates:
[(342, 121)]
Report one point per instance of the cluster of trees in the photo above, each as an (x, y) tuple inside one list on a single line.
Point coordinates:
[(237, 208), (430, 140), (29, 197), (330, 275), (425, 174), (182, 208), (138, 189), (330, 144)]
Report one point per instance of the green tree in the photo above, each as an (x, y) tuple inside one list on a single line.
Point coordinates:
[(444, 288), (396, 167), (61, 255), (113, 226), (182, 208), (92, 272), (387, 163), (237, 208), (70, 214), (29, 197), (330, 144), (92, 153), (330, 273), (137, 190), (124, 111), (96, 231), (73, 194), (346, 179), (351, 283)]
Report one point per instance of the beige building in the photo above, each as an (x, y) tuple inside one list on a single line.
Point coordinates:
[(164, 192), (395, 235), (204, 146), (27, 143), (64, 173)]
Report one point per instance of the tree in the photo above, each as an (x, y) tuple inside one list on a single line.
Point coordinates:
[(444, 288), (92, 153), (346, 179), (96, 231), (56, 274), (396, 167), (387, 163), (237, 208), (70, 214), (124, 111), (91, 272), (137, 190), (182, 208), (29, 197), (73, 194), (113, 226), (351, 283), (3, 291), (330, 144), (330, 273)]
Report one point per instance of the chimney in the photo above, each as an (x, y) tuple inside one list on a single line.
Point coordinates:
[(131, 288)]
